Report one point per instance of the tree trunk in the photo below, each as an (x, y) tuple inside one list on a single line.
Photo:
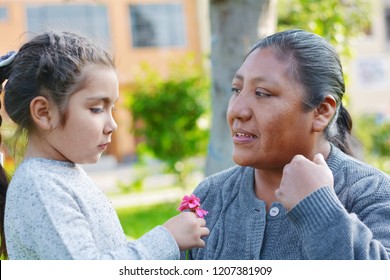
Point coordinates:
[(235, 26)]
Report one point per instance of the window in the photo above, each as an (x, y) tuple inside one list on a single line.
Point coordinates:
[(3, 13), (89, 20), (157, 25)]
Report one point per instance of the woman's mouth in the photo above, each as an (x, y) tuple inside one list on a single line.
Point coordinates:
[(243, 138)]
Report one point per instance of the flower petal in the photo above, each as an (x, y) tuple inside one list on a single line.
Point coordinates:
[(200, 212)]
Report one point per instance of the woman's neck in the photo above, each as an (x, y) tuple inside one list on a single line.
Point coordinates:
[(265, 184), (268, 181)]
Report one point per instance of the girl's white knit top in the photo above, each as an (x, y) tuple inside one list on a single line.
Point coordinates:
[(55, 211)]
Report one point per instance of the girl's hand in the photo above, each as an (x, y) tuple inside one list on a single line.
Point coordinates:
[(301, 177), (187, 230)]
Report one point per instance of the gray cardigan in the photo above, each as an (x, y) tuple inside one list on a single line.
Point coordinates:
[(351, 221), (55, 211)]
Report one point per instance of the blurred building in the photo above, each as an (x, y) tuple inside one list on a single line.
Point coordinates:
[(369, 85), (152, 31), (159, 31)]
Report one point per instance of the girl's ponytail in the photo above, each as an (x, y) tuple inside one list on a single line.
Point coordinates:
[(5, 68), (4, 180)]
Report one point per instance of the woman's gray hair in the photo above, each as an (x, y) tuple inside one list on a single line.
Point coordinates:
[(315, 65)]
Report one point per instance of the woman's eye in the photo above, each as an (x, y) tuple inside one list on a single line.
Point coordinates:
[(262, 93), (236, 91), (96, 110)]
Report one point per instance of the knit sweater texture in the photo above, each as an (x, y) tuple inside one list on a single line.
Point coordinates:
[(55, 211), (349, 221)]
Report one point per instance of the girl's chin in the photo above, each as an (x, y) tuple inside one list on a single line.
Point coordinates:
[(89, 160)]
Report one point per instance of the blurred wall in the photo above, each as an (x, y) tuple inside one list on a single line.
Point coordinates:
[(369, 71)]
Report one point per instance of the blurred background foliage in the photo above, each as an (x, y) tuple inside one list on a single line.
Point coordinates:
[(338, 21), (374, 134), (171, 115)]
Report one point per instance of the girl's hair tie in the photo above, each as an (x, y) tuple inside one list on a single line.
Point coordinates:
[(7, 58)]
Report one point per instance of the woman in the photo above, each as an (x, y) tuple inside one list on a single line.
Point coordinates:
[(280, 202)]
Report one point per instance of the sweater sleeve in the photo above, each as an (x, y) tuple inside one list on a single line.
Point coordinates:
[(328, 231), (155, 244), (50, 225)]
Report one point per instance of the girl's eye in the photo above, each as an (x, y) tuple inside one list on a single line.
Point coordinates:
[(236, 91), (96, 110)]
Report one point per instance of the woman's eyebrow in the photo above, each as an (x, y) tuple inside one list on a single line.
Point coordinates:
[(238, 76), (258, 79)]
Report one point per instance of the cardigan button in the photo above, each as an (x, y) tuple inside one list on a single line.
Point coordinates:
[(274, 211)]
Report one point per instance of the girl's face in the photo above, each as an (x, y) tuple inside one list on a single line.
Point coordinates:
[(89, 124), (266, 117)]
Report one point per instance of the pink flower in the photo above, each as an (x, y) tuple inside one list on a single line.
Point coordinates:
[(200, 212), (192, 203), (189, 202)]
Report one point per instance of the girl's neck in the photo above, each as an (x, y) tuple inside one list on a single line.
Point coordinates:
[(38, 147)]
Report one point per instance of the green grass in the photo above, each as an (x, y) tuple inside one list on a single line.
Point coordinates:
[(136, 221)]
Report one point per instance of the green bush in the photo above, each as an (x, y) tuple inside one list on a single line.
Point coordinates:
[(170, 114), (375, 138)]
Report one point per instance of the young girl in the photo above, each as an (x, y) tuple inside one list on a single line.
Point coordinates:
[(61, 91)]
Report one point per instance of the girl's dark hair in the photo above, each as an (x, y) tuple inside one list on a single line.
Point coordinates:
[(48, 65), (4, 181), (316, 67)]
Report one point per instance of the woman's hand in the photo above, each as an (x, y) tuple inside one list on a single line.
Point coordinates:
[(301, 177), (187, 230)]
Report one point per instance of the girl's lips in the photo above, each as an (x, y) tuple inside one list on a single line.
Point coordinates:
[(103, 146)]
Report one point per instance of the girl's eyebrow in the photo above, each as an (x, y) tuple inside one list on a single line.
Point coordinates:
[(103, 99)]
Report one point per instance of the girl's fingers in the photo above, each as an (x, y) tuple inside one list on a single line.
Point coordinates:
[(204, 231), (201, 222)]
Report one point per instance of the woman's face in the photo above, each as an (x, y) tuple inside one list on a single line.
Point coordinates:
[(266, 117)]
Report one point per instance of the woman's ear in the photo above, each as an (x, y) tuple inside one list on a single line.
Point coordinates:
[(42, 112), (324, 113)]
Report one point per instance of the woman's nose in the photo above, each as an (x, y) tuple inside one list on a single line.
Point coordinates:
[(239, 107)]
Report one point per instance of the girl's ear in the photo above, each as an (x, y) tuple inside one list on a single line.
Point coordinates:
[(324, 113), (42, 112)]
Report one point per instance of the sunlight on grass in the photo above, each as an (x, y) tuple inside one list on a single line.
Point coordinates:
[(136, 221)]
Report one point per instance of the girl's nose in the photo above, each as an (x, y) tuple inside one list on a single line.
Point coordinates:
[(111, 126)]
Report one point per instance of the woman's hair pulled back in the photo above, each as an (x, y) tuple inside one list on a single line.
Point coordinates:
[(315, 65)]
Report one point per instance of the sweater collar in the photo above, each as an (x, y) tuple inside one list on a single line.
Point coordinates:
[(336, 156), (248, 196)]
